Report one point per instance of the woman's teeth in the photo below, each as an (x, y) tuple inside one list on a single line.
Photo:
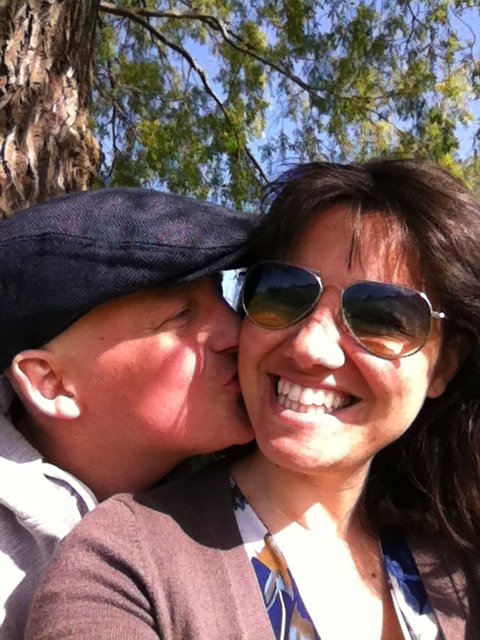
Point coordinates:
[(308, 400)]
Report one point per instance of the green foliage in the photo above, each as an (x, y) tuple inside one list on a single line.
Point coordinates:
[(211, 97)]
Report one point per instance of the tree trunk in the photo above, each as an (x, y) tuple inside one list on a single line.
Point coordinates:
[(46, 62)]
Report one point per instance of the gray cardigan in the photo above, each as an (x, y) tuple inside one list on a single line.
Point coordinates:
[(170, 564)]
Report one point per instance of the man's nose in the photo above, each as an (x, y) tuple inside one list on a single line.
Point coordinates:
[(223, 326)]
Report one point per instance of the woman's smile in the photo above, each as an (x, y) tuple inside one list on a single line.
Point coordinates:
[(314, 401)]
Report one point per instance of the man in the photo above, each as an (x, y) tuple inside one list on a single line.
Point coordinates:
[(119, 360)]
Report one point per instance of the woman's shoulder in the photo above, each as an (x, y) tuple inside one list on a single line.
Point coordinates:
[(195, 506), (451, 577), (153, 561), (135, 535), (202, 491)]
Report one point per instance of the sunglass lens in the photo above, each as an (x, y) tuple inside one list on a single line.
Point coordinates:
[(277, 295), (387, 320)]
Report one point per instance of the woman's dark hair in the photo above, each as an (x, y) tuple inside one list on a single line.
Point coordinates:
[(429, 479)]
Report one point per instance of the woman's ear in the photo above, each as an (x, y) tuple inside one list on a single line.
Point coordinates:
[(37, 376), (451, 358)]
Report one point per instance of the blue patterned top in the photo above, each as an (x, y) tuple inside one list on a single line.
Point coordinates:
[(288, 615)]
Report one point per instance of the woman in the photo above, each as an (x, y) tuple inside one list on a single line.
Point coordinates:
[(357, 516)]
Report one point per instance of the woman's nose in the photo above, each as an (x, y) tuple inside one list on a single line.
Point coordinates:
[(316, 341)]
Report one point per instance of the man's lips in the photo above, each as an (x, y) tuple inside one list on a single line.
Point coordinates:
[(232, 381)]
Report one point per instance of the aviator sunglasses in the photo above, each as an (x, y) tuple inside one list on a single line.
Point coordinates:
[(387, 320)]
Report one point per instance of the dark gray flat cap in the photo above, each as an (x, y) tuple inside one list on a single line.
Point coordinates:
[(60, 259)]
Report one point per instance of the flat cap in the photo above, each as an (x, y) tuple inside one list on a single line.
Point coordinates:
[(60, 259)]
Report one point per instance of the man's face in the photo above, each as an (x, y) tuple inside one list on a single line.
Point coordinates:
[(155, 372)]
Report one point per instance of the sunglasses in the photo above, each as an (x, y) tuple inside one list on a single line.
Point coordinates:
[(387, 320)]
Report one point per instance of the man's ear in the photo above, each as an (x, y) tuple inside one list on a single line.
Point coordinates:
[(39, 379), (451, 358)]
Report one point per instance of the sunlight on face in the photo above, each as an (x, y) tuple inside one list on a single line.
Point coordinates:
[(371, 401)]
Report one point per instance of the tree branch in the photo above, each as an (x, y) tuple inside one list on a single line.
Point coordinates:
[(229, 36), (216, 24), (139, 19)]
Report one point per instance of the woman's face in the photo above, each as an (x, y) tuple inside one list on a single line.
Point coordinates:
[(342, 403)]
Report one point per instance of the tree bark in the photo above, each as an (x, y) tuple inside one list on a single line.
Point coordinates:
[(46, 63)]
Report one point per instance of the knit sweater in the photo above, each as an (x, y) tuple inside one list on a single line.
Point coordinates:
[(170, 564)]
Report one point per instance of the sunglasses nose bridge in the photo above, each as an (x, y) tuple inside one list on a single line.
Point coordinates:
[(330, 301)]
